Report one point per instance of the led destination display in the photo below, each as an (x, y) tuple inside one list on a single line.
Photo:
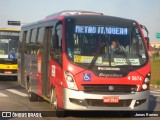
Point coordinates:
[(101, 30)]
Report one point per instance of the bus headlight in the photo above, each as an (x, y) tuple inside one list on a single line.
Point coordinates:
[(69, 78), (146, 80), (145, 85), (71, 85), (70, 81)]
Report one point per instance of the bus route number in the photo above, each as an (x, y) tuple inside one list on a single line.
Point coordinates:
[(135, 78)]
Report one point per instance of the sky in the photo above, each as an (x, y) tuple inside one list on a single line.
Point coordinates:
[(146, 12)]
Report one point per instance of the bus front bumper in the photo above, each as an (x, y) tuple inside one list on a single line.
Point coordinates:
[(79, 100), (12, 74)]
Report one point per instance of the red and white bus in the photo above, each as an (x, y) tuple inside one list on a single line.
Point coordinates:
[(67, 59)]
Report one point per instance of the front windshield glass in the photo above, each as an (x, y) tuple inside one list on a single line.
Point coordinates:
[(111, 45), (8, 48)]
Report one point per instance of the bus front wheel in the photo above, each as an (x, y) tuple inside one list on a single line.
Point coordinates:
[(53, 99), (54, 104)]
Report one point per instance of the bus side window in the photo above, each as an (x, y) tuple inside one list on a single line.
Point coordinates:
[(33, 41), (56, 42), (22, 38), (27, 47), (20, 41), (40, 37)]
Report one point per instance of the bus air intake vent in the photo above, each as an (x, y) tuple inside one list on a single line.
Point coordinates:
[(110, 89)]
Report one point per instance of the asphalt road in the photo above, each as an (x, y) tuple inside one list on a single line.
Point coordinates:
[(14, 100)]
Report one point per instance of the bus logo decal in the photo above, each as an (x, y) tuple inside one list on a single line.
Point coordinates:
[(86, 77), (111, 88)]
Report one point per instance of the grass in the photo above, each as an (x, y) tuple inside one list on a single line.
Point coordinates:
[(155, 72)]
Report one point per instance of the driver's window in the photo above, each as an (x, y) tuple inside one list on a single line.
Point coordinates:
[(134, 45), (141, 48)]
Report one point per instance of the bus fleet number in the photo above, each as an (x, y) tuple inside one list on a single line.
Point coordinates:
[(135, 78)]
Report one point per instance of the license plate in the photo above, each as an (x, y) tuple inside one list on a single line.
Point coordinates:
[(111, 99), (8, 72)]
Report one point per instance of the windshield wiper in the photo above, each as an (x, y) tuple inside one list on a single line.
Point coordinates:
[(121, 50), (100, 49)]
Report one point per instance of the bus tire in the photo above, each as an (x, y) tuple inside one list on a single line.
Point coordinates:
[(53, 99), (54, 104), (32, 96)]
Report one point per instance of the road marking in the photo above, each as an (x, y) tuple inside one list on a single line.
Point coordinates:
[(17, 92), (3, 95), (154, 92), (155, 95)]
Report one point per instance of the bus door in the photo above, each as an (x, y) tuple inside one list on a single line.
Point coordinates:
[(56, 56), (45, 61)]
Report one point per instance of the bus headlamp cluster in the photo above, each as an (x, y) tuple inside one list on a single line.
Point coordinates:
[(145, 85), (146, 80), (70, 81), (69, 78)]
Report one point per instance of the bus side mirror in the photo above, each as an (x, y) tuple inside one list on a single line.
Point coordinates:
[(147, 39)]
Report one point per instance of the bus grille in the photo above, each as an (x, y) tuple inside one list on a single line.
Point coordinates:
[(110, 89)]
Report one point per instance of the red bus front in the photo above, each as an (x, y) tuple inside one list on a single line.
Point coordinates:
[(93, 74)]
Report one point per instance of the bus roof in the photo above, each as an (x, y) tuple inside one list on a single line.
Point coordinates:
[(81, 15), (9, 29), (73, 12)]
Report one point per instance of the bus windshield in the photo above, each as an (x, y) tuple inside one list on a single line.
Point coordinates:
[(8, 48), (105, 45)]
